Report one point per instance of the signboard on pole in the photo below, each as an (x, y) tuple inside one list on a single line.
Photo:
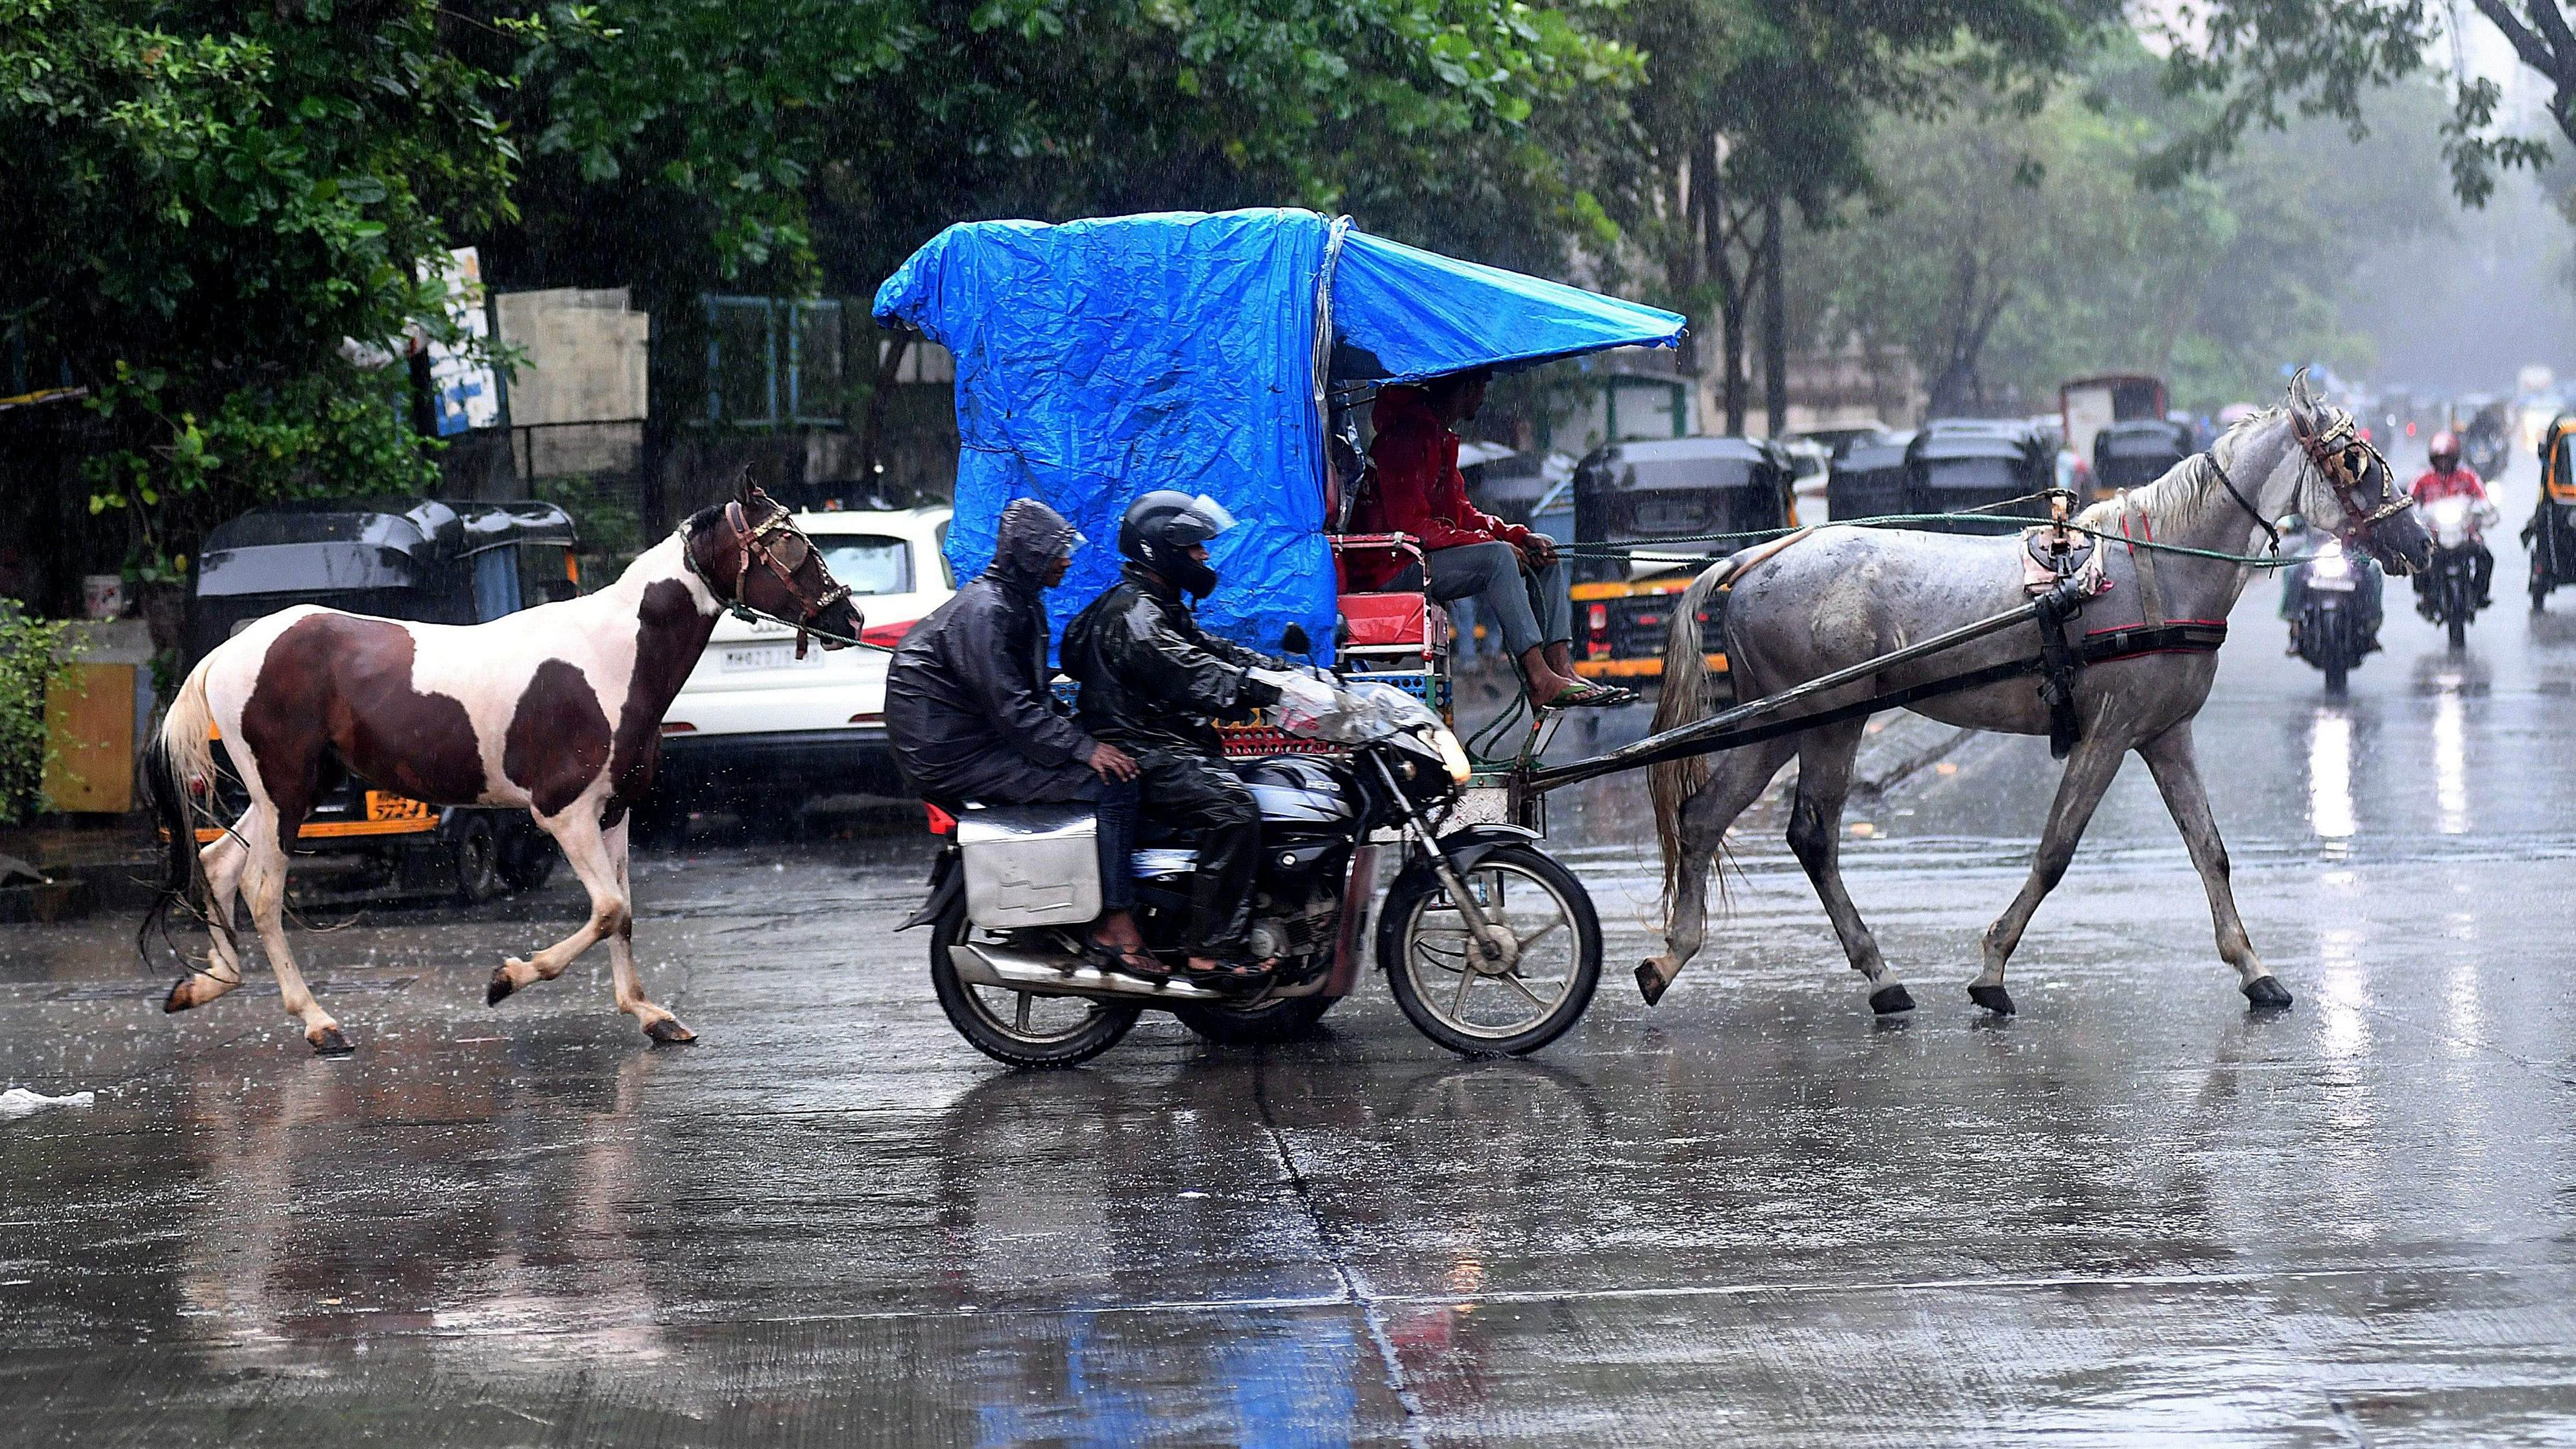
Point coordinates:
[(463, 392)]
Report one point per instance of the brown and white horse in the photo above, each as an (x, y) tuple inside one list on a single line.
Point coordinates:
[(557, 709)]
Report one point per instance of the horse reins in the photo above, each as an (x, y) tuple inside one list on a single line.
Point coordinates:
[(752, 542)]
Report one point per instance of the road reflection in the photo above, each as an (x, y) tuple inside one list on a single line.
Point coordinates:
[(2330, 780)]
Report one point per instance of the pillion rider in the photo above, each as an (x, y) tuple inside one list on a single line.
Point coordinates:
[(1154, 683), (972, 718)]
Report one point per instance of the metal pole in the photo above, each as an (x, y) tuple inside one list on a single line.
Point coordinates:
[(1676, 743)]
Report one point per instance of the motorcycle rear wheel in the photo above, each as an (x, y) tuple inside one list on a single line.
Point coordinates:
[(1005, 1025), (1255, 1025), (1422, 944)]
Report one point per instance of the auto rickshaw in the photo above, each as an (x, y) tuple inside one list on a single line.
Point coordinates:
[(423, 560), (1632, 494), (1870, 479), (2136, 453), (2551, 534), (1996, 467)]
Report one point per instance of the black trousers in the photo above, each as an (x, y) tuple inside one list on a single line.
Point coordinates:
[(1196, 792)]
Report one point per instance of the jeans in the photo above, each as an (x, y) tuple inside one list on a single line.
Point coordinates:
[(1530, 608)]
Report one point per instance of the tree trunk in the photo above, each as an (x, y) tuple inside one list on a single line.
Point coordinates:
[(1775, 325), (872, 427)]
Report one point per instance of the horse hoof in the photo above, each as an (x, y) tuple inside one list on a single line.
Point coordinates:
[(1992, 998), (669, 1031), (1890, 999), (501, 987), (178, 1000), (2266, 993), (329, 1043), (1651, 983)]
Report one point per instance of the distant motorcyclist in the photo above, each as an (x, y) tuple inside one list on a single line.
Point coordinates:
[(2303, 541), (2448, 478), (972, 718), (1154, 683)]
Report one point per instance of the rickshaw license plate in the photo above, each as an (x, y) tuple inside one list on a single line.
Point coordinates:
[(769, 656), (385, 805)]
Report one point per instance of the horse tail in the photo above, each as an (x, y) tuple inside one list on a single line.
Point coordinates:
[(179, 784), (1682, 701)]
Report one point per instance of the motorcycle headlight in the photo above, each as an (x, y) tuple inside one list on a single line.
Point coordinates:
[(1452, 754), (2332, 564)]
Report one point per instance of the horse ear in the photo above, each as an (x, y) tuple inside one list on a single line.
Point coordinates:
[(2303, 404), (744, 489)]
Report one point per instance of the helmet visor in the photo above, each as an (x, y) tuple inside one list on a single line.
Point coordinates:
[(1214, 512)]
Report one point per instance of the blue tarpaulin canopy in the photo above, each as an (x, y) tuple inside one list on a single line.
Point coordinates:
[(1097, 360)]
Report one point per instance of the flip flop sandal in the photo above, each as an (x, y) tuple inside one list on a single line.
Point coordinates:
[(1138, 963), (1593, 696)]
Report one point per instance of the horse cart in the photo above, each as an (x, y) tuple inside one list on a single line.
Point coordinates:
[(1231, 349)]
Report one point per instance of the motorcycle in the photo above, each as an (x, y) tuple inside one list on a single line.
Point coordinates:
[(1489, 945), (2333, 632), (2447, 592)]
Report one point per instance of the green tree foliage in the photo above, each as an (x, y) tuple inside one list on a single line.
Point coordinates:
[(204, 200), (1754, 106), (807, 141), (27, 650), (2006, 251), (2268, 61)]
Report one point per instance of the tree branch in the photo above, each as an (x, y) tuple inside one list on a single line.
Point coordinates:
[(2525, 44)]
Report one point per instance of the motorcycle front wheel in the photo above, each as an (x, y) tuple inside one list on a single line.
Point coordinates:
[(1474, 1006), (1022, 1028)]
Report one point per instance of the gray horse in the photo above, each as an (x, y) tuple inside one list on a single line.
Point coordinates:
[(1841, 596)]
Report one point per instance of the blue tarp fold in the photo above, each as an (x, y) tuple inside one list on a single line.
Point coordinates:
[(1100, 359)]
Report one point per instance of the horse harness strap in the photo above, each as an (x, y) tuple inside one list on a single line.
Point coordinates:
[(2245, 503)]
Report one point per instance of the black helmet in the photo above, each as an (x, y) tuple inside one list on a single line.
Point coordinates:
[(1162, 526)]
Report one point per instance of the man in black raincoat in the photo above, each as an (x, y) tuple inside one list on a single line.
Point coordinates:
[(1154, 683), (972, 718)]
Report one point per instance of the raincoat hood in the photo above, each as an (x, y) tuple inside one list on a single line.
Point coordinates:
[(1029, 537)]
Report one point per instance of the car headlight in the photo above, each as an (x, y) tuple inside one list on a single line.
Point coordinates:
[(1452, 754)]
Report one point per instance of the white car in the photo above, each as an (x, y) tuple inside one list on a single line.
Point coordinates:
[(753, 721)]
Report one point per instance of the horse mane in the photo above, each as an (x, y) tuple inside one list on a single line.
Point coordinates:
[(2174, 502)]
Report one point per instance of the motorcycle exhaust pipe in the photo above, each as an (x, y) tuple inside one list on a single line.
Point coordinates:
[(1044, 973)]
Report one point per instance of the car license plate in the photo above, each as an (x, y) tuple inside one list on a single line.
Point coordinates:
[(769, 656), (386, 805)]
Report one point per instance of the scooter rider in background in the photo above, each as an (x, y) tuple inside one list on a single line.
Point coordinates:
[(972, 718), (2449, 478), (2303, 541), (1154, 684)]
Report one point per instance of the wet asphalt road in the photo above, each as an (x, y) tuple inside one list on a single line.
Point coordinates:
[(1752, 1214)]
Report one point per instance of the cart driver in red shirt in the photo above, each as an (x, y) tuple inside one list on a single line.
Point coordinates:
[(1515, 573)]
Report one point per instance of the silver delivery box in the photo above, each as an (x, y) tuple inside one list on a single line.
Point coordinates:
[(1030, 865)]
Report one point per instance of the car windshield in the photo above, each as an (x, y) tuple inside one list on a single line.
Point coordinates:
[(870, 564)]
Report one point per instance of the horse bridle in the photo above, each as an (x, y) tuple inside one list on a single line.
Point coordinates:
[(2339, 455), (782, 549), (2342, 457)]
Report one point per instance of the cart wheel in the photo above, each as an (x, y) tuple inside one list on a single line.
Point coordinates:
[(1255, 1025), (477, 854), (1478, 1007), (1021, 1028)]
